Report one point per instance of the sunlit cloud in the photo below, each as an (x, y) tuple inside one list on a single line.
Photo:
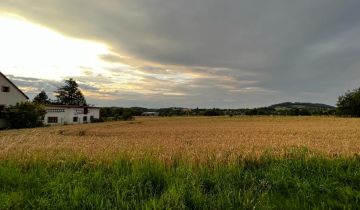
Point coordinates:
[(252, 90), (32, 49), (41, 58)]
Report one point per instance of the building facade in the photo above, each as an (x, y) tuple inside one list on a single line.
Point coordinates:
[(69, 114), (150, 114), (10, 94)]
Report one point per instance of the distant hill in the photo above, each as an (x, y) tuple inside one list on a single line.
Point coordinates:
[(299, 105)]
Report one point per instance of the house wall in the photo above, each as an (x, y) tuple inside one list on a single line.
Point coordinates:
[(12, 97), (66, 115), (150, 114)]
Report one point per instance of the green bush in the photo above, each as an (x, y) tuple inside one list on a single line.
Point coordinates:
[(213, 112), (96, 120), (115, 114), (349, 103), (127, 114), (24, 115)]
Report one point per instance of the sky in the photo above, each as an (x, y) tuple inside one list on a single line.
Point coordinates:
[(188, 53)]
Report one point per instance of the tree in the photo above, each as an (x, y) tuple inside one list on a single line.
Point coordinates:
[(212, 112), (42, 98), (349, 103), (127, 114), (24, 115), (69, 94)]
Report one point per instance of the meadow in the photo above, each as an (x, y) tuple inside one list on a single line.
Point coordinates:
[(184, 163)]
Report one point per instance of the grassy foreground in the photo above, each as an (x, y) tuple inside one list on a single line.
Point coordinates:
[(297, 181)]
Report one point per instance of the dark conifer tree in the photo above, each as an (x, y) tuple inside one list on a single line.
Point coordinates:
[(70, 94)]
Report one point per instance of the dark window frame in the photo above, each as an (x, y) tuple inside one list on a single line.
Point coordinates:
[(85, 118), (75, 119), (52, 119), (5, 89)]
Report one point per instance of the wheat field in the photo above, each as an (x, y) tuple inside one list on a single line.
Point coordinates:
[(196, 138)]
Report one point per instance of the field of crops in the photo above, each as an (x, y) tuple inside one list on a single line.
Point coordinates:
[(195, 138), (184, 163)]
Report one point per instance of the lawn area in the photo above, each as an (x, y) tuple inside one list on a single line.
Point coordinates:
[(295, 182)]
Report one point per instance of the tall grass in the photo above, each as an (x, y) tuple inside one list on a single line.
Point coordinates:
[(294, 182)]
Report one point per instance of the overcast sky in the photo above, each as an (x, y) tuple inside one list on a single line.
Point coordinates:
[(188, 53)]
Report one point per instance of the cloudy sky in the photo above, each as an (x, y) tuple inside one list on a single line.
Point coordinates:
[(189, 53)]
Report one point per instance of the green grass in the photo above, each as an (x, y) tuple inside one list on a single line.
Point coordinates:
[(294, 182)]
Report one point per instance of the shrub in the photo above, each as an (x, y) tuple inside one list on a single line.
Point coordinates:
[(96, 120), (24, 115), (127, 114), (212, 112), (349, 103)]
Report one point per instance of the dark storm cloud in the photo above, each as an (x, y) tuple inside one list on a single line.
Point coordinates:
[(243, 53)]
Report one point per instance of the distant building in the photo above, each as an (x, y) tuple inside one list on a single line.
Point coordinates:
[(150, 114), (186, 110), (10, 94), (70, 114)]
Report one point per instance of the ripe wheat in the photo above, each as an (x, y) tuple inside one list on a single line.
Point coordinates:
[(197, 138)]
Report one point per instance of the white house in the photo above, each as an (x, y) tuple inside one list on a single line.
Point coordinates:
[(70, 114), (10, 94)]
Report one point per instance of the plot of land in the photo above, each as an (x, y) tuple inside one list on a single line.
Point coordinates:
[(196, 138), (183, 163)]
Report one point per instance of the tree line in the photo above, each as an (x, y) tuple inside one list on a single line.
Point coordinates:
[(113, 113), (348, 105)]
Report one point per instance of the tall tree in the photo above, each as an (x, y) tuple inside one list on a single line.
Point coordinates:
[(42, 98), (349, 103), (70, 94)]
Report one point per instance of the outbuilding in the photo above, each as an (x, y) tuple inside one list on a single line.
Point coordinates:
[(70, 114), (150, 114)]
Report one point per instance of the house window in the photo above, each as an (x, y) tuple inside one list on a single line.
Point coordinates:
[(52, 120), (5, 89), (55, 110), (85, 119), (75, 119)]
